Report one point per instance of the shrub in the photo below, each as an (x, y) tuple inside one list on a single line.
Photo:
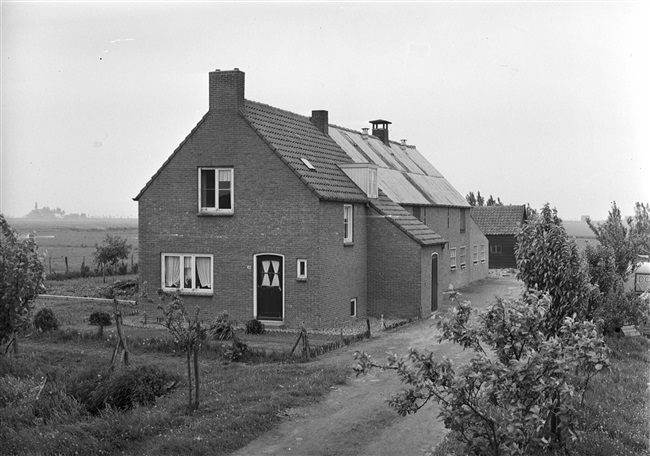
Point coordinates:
[(520, 393), (45, 320), (99, 318), (221, 328), (122, 389), (254, 326), (122, 269)]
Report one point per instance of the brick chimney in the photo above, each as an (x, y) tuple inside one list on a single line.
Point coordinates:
[(380, 129), (226, 89), (320, 119)]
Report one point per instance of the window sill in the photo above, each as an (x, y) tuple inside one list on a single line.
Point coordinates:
[(189, 292), (462, 266), (216, 214), (453, 268), (348, 243), (301, 279)]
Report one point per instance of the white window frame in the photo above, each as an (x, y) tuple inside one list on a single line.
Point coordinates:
[(216, 209), (182, 287), (482, 253), (353, 307), (463, 257), (348, 223), (497, 248), (452, 258), (373, 190), (301, 265), (475, 254)]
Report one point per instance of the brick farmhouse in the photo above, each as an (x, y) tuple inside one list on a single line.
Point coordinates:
[(286, 218)]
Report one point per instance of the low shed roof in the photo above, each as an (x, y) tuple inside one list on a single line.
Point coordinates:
[(498, 220)]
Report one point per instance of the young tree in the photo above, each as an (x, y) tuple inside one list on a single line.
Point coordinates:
[(549, 261), (471, 199), (612, 233), (189, 335), (640, 228), (21, 280), (480, 201), (112, 250)]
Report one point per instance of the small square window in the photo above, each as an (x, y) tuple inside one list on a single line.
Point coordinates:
[(496, 248), (353, 307), (301, 270)]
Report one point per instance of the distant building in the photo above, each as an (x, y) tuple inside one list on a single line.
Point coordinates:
[(500, 224), (584, 218)]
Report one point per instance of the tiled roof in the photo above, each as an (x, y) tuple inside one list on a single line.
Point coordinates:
[(294, 137), (498, 220), (404, 174), (401, 218)]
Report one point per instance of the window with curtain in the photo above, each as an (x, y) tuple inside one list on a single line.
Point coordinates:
[(195, 275), (216, 190)]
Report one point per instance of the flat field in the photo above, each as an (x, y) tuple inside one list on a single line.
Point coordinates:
[(75, 239)]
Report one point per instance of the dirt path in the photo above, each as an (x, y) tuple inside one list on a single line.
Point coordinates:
[(354, 419)]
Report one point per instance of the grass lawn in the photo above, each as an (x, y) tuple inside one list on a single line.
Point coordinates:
[(615, 419), (238, 402)]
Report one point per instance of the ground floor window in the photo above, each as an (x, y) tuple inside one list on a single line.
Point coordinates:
[(462, 257), (475, 254), (186, 272), (353, 307), (482, 253), (496, 248), (452, 258)]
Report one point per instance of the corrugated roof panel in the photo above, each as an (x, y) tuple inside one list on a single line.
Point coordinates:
[(349, 148), (398, 188), (439, 190), (405, 159), (379, 149), (422, 162)]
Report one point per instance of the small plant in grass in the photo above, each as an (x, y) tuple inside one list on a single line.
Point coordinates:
[(254, 326), (100, 319), (222, 327), (45, 320)]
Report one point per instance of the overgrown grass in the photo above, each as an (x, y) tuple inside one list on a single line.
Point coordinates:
[(616, 414), (238, 401)]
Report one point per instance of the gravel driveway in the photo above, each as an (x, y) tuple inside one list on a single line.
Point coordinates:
[(355, 419)]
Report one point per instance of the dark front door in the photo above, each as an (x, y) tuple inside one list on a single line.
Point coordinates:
[(434, 282), (269, 287)]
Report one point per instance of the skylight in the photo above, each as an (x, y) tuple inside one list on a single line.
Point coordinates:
[(308, 164)]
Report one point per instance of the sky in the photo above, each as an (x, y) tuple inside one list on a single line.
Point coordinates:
[(530, 102)]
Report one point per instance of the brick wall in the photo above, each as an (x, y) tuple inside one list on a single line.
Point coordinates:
[(394, 270), (274, 212), (343, 267)]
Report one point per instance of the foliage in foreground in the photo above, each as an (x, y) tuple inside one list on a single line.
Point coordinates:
[(21, 280), (614, 418), (520, 394)]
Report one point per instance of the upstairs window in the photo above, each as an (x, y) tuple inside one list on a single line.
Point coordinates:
[(463, 220), (216, 190), (348, 228), (372, 183), (187, 272)]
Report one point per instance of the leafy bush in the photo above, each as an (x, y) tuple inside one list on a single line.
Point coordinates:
[(549, 261), (254, 326), (45, 320), (520, 393), (618, 309), (222, 327), (122, 389), (99, 318)]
